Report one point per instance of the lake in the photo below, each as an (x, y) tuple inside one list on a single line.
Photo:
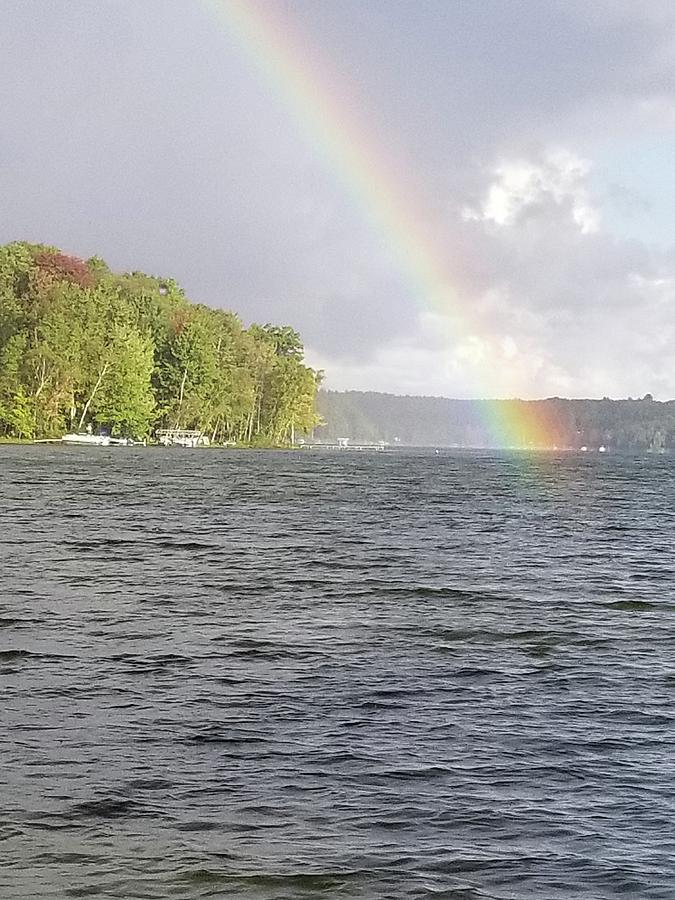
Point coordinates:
[(285, 675)]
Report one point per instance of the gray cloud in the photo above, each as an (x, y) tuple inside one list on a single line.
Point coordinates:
[(141, 132)]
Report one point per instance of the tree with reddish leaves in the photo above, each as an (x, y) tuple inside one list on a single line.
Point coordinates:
[(54, 267), (179, 320)]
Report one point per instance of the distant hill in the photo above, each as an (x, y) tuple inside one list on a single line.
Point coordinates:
[(627, 425)]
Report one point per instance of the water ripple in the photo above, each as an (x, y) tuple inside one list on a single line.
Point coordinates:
[(281, 675)]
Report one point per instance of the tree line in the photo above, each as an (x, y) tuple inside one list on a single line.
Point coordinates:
[(128, 354), (622, 425)]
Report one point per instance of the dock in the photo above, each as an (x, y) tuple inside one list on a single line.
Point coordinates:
[(181, 437), (346, 445)]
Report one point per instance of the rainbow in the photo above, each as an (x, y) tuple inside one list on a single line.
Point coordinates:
[(280, 55)]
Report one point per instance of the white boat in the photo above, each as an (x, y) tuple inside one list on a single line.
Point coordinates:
[(97, 440)]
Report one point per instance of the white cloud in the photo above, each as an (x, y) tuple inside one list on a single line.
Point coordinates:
[(519, 186), (434, 361), (544, 303)]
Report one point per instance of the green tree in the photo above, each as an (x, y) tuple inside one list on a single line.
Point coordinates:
[(83, 346)]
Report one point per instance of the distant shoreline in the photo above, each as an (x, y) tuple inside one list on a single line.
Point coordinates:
[(632, 425)]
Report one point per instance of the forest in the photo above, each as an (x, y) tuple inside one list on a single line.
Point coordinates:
[(82, 346), (621, 425)]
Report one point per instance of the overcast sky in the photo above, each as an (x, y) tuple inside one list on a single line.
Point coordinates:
[(537, 139)]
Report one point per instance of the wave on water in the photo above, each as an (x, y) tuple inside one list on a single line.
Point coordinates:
[(271, 676)]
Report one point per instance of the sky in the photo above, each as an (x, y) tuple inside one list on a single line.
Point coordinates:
[(533, 144)]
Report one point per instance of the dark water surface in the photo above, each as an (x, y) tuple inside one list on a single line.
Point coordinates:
[(278, 675)]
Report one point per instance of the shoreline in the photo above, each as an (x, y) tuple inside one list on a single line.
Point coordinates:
[(57, 442)]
